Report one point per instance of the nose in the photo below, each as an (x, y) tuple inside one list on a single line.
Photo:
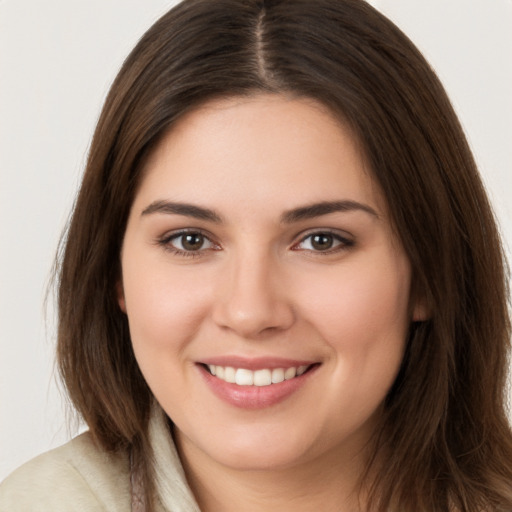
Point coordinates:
[(252, 297)]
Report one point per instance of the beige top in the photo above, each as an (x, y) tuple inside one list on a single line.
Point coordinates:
[(80, 477), (75, 477)]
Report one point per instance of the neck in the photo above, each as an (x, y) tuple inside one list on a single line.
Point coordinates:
[(329, 483)]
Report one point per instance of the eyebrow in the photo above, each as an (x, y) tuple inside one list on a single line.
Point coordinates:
[(188, 210), (324, 208), (297, 214)]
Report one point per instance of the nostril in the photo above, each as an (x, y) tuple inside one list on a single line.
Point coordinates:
[(253, 318)]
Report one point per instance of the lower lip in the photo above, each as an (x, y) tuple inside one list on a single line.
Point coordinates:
[(254, 397)]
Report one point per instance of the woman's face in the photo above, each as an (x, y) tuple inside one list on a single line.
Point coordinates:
[(259, 249)]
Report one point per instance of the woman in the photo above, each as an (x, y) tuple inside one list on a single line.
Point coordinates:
[(282, 286)]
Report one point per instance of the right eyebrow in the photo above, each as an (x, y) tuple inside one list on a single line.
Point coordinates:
[(314, 210), (188, 210)]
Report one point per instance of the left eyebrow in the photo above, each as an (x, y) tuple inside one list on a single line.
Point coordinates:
[(188, 210), (324, 208)]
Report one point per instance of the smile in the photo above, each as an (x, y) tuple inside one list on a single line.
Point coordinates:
[(262, 377), (256, 383)]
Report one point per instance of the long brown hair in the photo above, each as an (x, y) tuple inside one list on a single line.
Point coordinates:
[(445, 433)]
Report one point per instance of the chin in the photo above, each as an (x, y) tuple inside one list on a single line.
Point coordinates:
[(258, 458), (254, 449)]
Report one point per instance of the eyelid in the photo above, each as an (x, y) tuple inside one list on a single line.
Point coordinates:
[(166, 239), (346, 240)]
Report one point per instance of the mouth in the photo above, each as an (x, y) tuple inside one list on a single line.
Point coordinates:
[(261, 377), (256, 384)]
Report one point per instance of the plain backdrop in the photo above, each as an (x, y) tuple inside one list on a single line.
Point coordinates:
[(57, 60)]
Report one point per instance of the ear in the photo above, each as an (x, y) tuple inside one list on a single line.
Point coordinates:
[(420, 311), (120, 296), (420, 302)]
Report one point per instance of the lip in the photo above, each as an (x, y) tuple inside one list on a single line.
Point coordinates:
[(255, 397), (255, 363)]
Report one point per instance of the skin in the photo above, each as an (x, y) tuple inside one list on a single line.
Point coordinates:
[(256, 286)]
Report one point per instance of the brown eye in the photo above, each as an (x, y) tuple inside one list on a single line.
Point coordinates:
[(322, 241), (192, 241), (188, 242)]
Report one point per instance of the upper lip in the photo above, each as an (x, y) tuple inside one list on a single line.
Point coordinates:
[(256, 363)]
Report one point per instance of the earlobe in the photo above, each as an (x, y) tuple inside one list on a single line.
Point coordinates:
[(120, 296), (420, 302), (421, 311)]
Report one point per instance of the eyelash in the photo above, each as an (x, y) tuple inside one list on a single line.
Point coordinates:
[(343, 245), (166, 242)]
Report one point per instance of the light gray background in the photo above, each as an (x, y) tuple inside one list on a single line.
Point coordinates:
[(57, 59)]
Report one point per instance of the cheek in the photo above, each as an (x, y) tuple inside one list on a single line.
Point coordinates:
[(362, 315), (164, 311), (361, 308), (163, 307)]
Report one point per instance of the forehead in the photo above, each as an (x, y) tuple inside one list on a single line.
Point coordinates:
[(259, 150)]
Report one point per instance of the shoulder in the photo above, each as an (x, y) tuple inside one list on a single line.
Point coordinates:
[(78, 476)]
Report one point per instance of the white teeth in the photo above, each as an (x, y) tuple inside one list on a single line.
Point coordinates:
[(264, 377), (301, 370), (277, 375), (229, 375), (290, 373), (244, 377)]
